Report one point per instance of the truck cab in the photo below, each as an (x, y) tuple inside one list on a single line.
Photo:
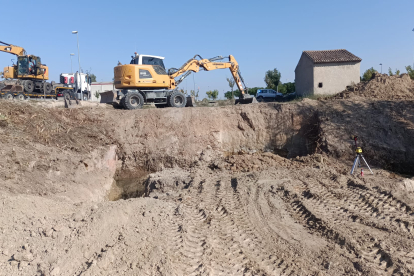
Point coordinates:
[(81, 83)]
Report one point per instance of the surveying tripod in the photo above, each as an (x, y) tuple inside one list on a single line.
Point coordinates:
[(358, 157)]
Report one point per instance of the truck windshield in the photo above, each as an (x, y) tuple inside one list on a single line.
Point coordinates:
[(23, 66), (153, 61)]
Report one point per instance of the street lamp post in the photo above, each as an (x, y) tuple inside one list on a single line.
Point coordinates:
[(80, 81), (413, 60), (381, 67), (71, 67)]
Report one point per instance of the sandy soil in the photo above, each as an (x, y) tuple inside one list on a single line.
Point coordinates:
[(261, 189)]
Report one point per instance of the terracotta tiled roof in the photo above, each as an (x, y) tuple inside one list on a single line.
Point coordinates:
[(327, 56)]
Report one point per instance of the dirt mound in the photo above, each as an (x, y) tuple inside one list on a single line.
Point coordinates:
[(383, 87)]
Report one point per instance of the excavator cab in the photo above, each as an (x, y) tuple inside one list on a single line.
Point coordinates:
[(29, 65)]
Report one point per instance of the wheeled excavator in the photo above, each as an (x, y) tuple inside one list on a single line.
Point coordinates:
[(27, 77), (145, 80)]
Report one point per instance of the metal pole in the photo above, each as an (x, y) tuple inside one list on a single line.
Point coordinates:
[(71, 67)]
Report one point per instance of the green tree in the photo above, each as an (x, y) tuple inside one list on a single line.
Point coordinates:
[(93, 78), (410, 71), (272, 79), (231, 84), (97, 94), (212, 94), (229, 95), (390, 73), (287, 87), (397, 72), (368, 74), (194, 94)]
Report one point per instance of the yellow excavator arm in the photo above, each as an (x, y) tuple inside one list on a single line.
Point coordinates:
[(194, 65), (12, 49)]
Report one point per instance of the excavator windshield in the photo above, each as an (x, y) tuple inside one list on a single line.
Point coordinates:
[(153, 61), (23, 65), (148, 61)]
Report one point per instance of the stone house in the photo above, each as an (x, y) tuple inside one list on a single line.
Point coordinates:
[(326, 72)]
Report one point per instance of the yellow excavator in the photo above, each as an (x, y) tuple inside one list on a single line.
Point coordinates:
[(145, 80), (28, 76)]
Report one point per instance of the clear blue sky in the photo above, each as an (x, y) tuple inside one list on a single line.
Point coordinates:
[(262, 35)]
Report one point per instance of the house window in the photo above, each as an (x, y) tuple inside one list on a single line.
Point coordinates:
[(320, 85)]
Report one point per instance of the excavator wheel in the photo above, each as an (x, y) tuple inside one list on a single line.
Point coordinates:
[(133, 100), (177, 99), (28, 86), (19, 97), (8, 96), (47, 87)]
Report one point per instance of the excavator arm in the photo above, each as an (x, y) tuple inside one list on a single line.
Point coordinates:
[(194, 65), (12, 49)]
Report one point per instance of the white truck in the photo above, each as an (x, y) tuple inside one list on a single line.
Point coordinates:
[(80, 84)]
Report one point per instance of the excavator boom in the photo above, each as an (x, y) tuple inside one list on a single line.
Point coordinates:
[(12, 49), (194, 65)]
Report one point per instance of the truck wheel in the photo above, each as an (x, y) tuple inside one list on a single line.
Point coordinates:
[(29, 86), (8, 96), (66, 95), (19, 97), (133, 100), (47, 87), (177, 99)]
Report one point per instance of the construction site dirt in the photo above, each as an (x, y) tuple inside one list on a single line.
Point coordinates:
[(259, 189)]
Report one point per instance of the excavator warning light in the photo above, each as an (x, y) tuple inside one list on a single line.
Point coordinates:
[(72, 80), (65, 80)]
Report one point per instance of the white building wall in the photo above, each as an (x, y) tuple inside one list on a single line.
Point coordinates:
[(335, 77), (304, 76)]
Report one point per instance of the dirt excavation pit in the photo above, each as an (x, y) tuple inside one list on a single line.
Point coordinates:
[(133, 186), (261, 189)]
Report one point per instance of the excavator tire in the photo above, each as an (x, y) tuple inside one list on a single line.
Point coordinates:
[(177, 99), (47, 87), (134, 100), (19, 97), (8, 96), (28, 86)]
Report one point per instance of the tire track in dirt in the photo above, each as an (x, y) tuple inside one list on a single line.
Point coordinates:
[(211, 234), (353, 204), (382, 206), (322, 221), (225, 226), (251, 241)]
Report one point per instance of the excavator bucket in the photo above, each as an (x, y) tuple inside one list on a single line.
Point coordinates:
[(108, 96), (246, 99), (13, 88)]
